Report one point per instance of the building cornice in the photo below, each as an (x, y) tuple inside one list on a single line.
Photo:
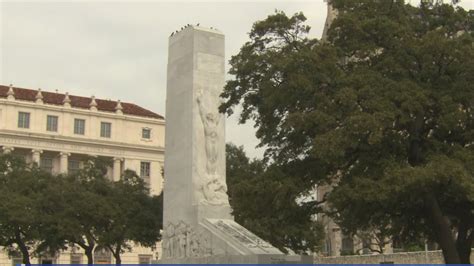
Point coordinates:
[(88, 112), (75, 145)]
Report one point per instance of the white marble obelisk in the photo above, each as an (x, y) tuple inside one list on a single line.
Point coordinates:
[(195, 141), (198, 225)]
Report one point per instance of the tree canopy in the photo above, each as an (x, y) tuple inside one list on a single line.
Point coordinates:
[(136, 217), (270, 204), (26, 226), (41, 214), (382, 111)]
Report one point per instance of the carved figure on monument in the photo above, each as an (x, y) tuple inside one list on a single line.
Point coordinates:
[(167, 243), (215, 191), (173, 240), (181, 239), (181, 245), (205, 248), (210, 121), (194, 247), (188, 241), (165, 246)]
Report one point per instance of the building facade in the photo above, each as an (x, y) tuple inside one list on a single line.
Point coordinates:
[(59, 131), (337, 244)]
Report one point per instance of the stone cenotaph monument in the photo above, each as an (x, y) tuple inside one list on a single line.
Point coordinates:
[(198, 225)]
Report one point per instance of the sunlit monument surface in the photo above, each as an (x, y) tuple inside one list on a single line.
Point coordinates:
[(198, 225)]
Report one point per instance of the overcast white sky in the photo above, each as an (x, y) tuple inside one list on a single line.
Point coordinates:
[(118, 49)]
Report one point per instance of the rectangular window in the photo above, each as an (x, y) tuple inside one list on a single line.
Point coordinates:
[(79, 126), (46, 164), (144, 259), (145, 173), (73, 166), (47, 261), (52, 123), (347, 245), (146, 133), (23, 120), (327, 247), (76, 259), (144, 169), (105, 129)]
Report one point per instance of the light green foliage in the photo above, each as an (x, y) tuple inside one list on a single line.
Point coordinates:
[(383, 111)]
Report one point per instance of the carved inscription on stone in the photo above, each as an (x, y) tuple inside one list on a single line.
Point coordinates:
[(258, 242), (241, 234), (234, 233)]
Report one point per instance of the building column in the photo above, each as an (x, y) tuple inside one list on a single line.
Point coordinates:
[(63, 162), (130, 164), (7, 149), (36, 156), (117, 170)]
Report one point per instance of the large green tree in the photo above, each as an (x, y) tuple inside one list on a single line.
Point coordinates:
[(133, 216), (26, 209), (269, 203), (99, 213), (41, 214), (382, 111), (84, 208)]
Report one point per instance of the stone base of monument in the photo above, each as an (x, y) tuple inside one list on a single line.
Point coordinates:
[(223, 241), (243, 259)]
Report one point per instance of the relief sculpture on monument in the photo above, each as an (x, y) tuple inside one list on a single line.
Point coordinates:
[(182, 241), (213, 187)]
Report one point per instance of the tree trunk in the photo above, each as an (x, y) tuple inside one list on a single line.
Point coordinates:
[(23, 248), (90, 255), (118, 260), (25, 253), (443, 231), (116, 254), (440, 223), (88, 249), (464, 243), (465, 253)]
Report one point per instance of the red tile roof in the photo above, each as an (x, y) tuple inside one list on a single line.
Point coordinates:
[(78, 101)]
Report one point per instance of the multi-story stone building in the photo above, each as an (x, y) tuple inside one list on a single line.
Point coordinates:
[(59, 131), (336, 243)]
